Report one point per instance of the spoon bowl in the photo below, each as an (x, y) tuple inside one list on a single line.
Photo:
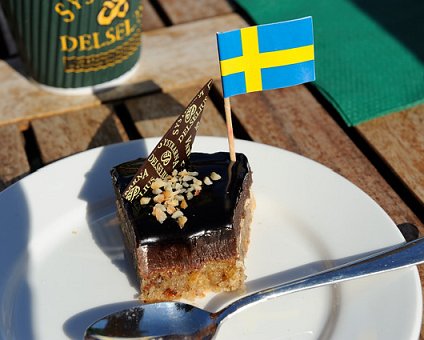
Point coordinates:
[(177, 320)]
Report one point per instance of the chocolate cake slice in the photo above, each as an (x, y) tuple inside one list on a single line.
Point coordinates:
[(198, 242)]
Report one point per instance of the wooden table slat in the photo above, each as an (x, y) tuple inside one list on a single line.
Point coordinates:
[(154, 114), (190, 10), (13, 160), (292, 119), (64, 135), (399, 140), (150, 19)]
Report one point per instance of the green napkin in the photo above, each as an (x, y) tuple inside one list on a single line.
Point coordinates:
[(369, 54)]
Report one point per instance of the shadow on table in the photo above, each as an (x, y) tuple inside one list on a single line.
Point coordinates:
[(403, 19), (126, 90)]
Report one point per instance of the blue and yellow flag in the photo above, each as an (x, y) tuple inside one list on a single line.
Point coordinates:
[(267, 57)]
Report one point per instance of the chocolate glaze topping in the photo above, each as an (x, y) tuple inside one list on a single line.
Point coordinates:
[(211, 212)]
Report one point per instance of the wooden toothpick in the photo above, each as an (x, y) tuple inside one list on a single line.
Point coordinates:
[(230, 134)]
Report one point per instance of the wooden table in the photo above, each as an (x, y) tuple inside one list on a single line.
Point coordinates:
[(383, 157)]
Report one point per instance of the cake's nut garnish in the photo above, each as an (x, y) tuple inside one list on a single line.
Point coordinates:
[(144, 200), (214, 176), (170, 209), (177, 214), (183, 204), (159, 198), (159, 213), (172, 193), (181, 221), (157, 184)]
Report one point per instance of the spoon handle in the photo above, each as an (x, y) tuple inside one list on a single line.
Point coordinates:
[(399, 256)]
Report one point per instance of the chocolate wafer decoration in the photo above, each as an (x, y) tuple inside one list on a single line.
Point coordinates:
[(173, 150)]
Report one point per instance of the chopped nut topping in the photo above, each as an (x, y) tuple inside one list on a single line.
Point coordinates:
[(181, 221), (171, 194), (156, 191), (159, 198), (170, 209), (188, 178), (145, 200), (161, 207), (167, 195), (158, 183), (177, 214), (160, 216), (214, 176), (183, 173), (197, 182)]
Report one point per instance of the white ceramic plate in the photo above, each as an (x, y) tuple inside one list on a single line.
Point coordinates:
[(62, 265)]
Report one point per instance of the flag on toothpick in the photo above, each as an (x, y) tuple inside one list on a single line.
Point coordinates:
[(266, 57)]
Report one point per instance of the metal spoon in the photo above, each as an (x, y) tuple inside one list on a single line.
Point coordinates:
[(176, 320)]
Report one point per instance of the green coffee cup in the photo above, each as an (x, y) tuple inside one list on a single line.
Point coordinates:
[(74, 44)]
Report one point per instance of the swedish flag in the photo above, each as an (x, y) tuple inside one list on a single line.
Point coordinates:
[(266, 57)]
